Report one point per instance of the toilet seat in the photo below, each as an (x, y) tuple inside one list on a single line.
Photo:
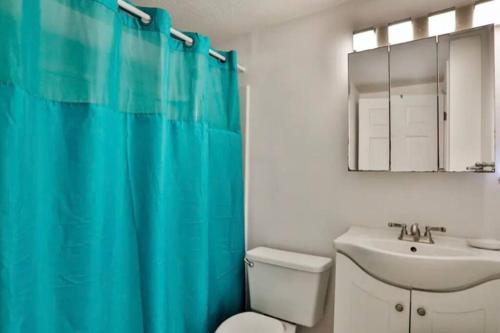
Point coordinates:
[(252, 322)]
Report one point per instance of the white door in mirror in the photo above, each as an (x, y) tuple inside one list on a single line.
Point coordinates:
[(414, 133), (373, 134), (465, 114)]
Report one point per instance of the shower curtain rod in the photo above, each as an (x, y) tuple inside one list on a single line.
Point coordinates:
[(188, 40)]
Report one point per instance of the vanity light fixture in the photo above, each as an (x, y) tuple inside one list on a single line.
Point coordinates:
[(401, 31), (486, 12), (442, 22), (364, 39)]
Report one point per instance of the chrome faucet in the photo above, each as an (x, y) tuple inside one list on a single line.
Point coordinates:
[(414, 234)]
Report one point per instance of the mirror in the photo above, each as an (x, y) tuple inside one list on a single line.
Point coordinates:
[(414, 116), (425, 105), (466, 90), (369, 110)]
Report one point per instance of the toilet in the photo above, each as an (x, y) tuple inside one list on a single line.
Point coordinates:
[(287, 289)]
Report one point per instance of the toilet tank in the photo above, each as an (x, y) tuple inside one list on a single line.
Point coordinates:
[(288, 285)]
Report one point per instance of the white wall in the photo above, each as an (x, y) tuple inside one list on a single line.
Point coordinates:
[(301, 195)]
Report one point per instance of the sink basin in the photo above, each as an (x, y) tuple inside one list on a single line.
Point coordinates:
[(448, 265), (417, 249)]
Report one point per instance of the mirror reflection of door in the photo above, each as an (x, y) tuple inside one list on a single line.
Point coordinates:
[(466, 80), (373, 133), (369, 110), (414, 115), (414, 134)]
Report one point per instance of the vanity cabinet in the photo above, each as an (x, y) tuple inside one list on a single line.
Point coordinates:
[(364, 304), (471, 310)]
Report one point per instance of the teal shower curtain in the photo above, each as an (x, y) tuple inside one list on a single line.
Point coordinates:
[(120, 174)]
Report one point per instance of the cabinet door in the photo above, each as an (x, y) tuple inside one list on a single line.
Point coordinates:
[(468, 311), (364, 304)]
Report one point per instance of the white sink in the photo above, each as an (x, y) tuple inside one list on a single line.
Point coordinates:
[(449, 264)]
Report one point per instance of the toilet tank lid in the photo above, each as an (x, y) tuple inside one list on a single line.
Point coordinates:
[(293, 260)]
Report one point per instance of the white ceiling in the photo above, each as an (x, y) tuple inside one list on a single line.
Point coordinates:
[(221, 19)]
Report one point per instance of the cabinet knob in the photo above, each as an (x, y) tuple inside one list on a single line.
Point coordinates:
[(399, 307), (421, 312)]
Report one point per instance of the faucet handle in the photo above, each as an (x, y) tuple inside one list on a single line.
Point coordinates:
[(429, 229), (428, 234), (399, 225)]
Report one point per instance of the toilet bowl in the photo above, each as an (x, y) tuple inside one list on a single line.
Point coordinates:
[(285, 288), (252, 322)]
